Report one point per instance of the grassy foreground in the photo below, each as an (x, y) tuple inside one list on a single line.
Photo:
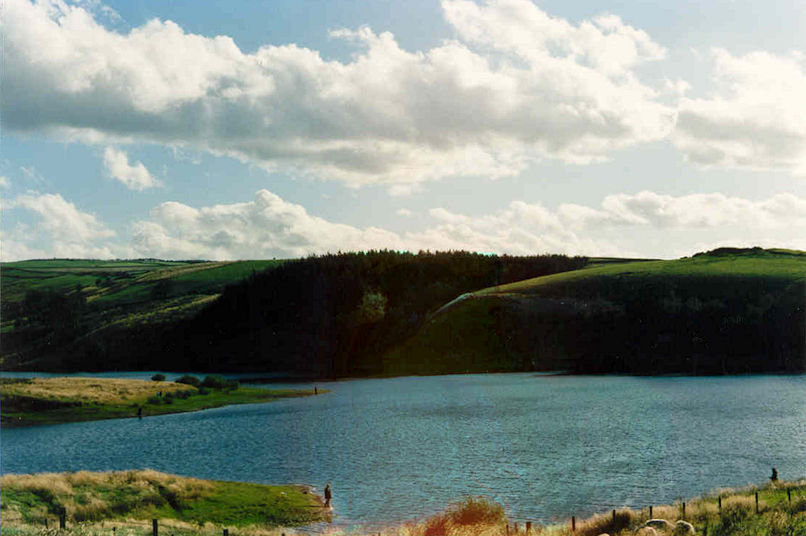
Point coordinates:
[(133, 498), (723, 513), (30, 401)]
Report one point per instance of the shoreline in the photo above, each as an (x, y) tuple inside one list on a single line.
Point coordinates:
[(39, 401), (773, 508)]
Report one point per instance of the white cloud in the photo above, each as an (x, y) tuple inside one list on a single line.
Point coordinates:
[(269, 226), (4, 182), (63, 230), (134, 177), (403, 212), (519, 86), (756, 119)]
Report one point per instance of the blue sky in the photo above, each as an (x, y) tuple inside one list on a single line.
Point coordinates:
[(248, 129)]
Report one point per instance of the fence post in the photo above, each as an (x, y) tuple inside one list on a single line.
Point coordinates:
[(63, 518), (528, 527), (756, 502), (614, 517), (720, 504), (155, 530), (684, 510), (789, 495), (650, 511), (573, 523)]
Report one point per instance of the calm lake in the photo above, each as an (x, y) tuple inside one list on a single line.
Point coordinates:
[(546, 447)]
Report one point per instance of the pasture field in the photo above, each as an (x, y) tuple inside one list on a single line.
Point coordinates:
[(32, 401), (124, 498)]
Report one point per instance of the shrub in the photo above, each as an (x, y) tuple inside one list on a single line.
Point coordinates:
[(204, 391), (158, 377), (476, 510), (214, 381), (233, 385), (187, 379), (154, 400)]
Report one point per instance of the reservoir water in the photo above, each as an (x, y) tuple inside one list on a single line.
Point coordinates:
[(546, 447)]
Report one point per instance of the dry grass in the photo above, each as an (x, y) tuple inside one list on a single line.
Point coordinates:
[(91, 390)]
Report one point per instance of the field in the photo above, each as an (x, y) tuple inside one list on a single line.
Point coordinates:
[(54, 400), (776, 509), (49, 304), (134, 498), (773, 265)]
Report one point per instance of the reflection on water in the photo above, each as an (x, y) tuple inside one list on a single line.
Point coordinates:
[(395, 449)]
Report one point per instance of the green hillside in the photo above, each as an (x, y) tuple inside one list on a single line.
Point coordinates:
[(49, 304), (727, 311)]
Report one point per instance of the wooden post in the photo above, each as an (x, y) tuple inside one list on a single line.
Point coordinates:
[(720, 503), (573, 523), (684, 510), (155, 529), (650, 511), (63, 519), (756, 502), (528, 527), (507, 529), (789, 495), (614, 517)]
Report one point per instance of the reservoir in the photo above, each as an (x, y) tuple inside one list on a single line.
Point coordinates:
[(546, 447)]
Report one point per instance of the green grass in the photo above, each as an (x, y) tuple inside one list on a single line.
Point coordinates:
[(21, 408), (123, 496), (768, 265)]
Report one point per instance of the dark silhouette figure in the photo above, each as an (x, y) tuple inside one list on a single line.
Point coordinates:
[(315, 390), (774, 476), (139, 413), (327, 495)]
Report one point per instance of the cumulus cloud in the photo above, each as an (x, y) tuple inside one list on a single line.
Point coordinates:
[(517, 86), (134, 177), (755, 120), (67, 231), (269, 226)]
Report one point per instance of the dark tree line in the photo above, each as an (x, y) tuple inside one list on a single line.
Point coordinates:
[(337, 315)]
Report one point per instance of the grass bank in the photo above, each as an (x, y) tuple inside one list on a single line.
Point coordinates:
[(130, 499), (780, 511), (31, 401)]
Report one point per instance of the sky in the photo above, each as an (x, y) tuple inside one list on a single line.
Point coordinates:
[(253, 129)]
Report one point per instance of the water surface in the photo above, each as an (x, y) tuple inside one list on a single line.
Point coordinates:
[(547, 447)]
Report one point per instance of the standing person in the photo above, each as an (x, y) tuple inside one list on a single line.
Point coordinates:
[(327, 495)]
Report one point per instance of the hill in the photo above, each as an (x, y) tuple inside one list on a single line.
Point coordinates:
[(328, 316), (725, 311), (51, 306)]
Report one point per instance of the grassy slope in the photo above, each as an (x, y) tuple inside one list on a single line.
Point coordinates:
[(145, 495), (55, 400), (781, 510), (519, 326), (119, 294)]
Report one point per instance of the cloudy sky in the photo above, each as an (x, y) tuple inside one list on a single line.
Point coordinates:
[(280, 128)]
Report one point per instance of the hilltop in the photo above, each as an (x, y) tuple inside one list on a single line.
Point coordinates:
[(725, 311)]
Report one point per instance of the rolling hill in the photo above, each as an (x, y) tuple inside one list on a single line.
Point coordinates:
[(726, 311)]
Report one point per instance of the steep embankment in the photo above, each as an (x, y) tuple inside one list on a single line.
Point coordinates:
[(727, 311)]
